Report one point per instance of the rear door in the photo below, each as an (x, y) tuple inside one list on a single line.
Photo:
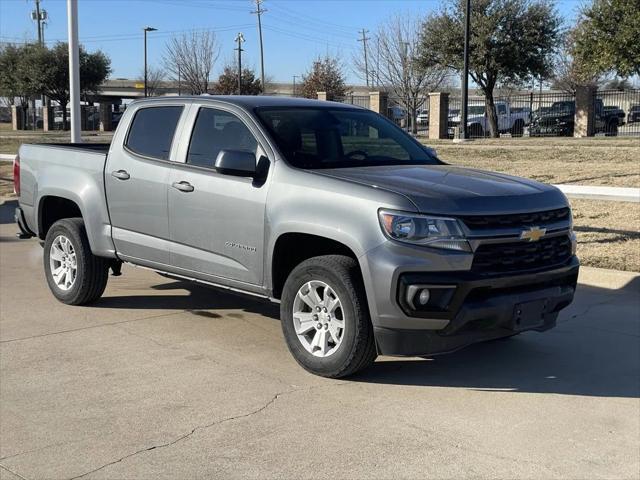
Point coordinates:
[(217, 226), (136, 178)]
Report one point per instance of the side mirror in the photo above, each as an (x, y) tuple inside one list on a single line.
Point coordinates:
[(236, 162)]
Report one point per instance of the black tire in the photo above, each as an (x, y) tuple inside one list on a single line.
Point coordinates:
[(357, 349), (612, 129), (92, 272), (518, 128), (476, 131)]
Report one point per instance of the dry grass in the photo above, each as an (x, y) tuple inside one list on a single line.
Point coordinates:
[(590, 161), (608, 234)]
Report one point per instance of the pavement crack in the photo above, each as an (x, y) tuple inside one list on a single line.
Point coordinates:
[(4, 467), (190, 433), (71, 330)]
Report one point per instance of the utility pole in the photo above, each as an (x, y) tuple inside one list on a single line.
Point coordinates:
[(364, 39), (74, 70), (239, 40), (40, 16), (146, 30), (462, 129), (294, 84), (259, 11)]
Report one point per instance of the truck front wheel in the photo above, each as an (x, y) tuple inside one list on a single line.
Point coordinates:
[(74, 274), (325, 319)]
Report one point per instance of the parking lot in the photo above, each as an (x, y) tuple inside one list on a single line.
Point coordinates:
[(163, 379)]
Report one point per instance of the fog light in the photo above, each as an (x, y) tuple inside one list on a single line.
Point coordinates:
[(424, 296)]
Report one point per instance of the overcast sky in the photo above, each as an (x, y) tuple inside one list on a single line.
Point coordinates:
[(295, 31)]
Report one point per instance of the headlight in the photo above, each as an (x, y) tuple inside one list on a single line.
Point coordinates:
[(436, 232)]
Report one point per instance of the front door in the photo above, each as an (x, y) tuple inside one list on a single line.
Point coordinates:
[(136, 179), (216, 221)]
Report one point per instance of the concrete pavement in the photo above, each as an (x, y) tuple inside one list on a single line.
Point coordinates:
[(163, 379)]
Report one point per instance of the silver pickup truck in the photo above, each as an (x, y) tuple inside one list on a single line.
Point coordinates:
[(370, 243)]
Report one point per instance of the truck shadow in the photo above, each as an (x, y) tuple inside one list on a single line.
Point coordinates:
[(199, 300), (7, 209), (594, 351)]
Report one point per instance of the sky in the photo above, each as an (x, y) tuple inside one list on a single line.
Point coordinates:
[(294, 31)]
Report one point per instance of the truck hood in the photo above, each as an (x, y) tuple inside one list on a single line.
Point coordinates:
[(449, 190)]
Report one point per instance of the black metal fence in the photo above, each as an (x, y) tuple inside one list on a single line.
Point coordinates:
[(359, 100), (397, 112), (536, 114), (617, 112)]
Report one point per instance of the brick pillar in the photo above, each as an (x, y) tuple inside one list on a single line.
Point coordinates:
[(379, 102), (438, 115), (105, 117), (17, 117), (584, 122), (47, 118), (322, 96)]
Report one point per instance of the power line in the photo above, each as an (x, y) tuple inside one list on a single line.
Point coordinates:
[(259, 11)]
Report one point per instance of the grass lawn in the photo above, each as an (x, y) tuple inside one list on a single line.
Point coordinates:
[(589, 161)]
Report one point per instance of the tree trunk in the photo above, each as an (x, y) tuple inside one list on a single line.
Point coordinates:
[(492, 116), (414, 124)]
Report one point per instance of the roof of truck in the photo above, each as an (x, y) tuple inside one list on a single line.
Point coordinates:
[(253, 101)]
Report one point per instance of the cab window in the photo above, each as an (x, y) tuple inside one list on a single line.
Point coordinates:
[(152, 130), (217, 130)]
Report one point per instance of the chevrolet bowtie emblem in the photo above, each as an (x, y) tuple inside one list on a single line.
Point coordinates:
[(533, 234)]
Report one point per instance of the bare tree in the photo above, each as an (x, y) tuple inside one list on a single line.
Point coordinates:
[(155, 79), (400, 70), (569, 74), (191, 58)]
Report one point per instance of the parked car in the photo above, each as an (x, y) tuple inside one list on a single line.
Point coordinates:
[(560, 119), (423, 118), (634, 114), (613, 111), (369, 242), (478, 124)]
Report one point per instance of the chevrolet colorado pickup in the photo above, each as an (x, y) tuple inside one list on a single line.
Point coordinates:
[(370, 243)]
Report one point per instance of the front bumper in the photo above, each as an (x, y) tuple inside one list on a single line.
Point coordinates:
[(552, 130), (482, 307)]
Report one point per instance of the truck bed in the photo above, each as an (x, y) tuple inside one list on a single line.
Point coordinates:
[(94, 147), (71, 171)]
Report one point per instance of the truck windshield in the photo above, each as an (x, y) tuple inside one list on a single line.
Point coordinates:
[(338, 138)]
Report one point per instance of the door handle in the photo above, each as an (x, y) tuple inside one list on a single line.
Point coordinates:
[(183, 186), (121, 174)]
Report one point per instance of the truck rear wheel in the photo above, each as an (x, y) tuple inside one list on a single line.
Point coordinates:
[(325, 318), (74, 274)]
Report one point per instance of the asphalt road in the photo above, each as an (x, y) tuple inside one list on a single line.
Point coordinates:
[(162, 379)]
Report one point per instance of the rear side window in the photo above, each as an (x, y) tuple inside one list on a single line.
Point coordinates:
[(152, 131)]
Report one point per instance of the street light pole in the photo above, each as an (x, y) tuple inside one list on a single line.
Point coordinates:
[(294, 84), (74, 70), (462, 129), (240, 39), (146, 30)]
